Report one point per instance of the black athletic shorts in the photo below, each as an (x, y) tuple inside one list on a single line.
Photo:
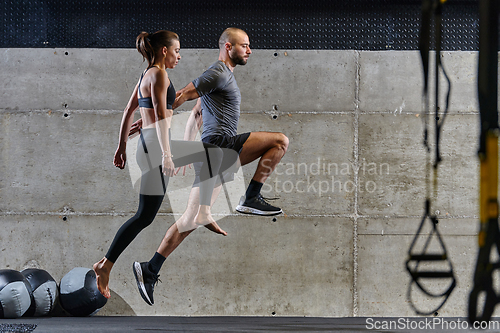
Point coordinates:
[(231, 148), (232, 142)]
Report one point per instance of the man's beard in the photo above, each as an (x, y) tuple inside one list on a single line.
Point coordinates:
[(239, 60)]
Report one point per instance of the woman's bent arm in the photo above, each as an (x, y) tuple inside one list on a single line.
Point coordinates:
[(127, 119), (163, 118)]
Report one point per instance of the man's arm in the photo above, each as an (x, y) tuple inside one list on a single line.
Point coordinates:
[(193, 125), (187, 93)]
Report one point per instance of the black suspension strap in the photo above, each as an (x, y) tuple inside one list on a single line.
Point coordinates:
[(431, 11), (489, 234)]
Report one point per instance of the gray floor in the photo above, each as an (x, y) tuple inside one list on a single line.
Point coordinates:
[(232, 324)]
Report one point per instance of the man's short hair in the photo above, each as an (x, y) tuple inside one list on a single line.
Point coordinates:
[(228, 36)]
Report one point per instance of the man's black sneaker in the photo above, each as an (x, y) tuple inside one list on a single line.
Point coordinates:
[(257, 206), (146, 281)]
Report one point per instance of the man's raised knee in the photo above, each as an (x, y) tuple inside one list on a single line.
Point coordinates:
[(283, 141)]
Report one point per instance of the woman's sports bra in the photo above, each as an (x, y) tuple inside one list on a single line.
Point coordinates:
[(147, 102)]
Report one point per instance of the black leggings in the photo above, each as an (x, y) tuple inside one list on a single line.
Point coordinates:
[(154, 183)]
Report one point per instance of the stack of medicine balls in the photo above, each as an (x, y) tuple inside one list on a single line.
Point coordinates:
[(33, 292)]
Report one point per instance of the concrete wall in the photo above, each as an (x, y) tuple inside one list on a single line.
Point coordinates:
[(352, 183)]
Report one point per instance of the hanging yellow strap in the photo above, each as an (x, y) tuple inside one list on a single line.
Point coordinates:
[(488, 197)]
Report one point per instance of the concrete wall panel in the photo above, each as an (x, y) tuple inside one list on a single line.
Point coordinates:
[(51, 162), (316, 175), (392, 164), (393, 81), (298, 80), (393, 167), (390, 81), (382, 277), (68, 79)]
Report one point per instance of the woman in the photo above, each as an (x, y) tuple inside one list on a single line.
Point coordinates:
[(157, 154)]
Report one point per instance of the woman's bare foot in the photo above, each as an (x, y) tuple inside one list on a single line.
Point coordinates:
[(102, 270)]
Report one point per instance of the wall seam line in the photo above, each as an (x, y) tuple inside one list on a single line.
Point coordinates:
[(356, 182)]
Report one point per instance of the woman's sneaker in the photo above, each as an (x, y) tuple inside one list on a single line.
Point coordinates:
[(146, 281), (257, 206)]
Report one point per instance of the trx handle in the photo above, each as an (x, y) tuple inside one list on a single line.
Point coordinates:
[(489, 235), (418, 276), (428, 257)]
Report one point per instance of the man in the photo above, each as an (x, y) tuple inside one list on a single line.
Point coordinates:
[(220, 102), (218, 108)]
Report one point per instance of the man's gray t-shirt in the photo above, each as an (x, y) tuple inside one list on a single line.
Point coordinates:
[(220, 100)]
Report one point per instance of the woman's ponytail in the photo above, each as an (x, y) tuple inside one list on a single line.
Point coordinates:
[(143, 45)]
